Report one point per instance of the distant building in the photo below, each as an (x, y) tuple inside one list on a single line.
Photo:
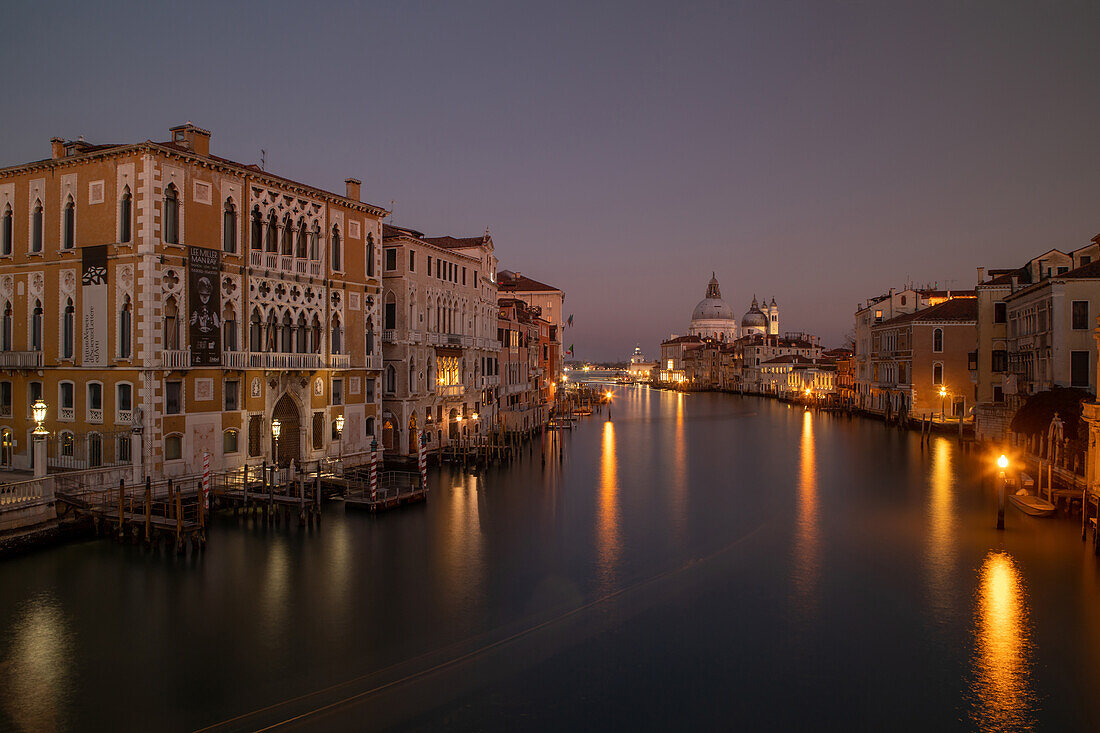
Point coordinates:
[(550, 301), (640, 370), (917, 355)]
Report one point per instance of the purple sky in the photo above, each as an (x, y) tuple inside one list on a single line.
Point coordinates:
[(818, 154)]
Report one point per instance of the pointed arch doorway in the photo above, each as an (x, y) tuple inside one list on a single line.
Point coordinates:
[(286, 412)]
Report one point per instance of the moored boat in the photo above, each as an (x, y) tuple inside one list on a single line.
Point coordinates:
[(1032, 505)]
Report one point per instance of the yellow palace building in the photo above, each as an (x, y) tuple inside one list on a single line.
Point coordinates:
[(167, 303)]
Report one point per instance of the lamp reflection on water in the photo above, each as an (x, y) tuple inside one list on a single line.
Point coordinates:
[(608, 541), (34, 674), (806, 559), (1001, 692), (940, 558)]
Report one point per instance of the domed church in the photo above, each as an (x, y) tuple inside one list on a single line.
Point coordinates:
[(714, 319)]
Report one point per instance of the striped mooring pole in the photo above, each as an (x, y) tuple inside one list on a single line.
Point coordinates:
[(424, 462), (205, 480), (374, 470)]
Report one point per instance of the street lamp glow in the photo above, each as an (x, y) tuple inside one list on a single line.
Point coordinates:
[(38, 409), (1002, 462), (474, 416), (943, 392), (340, 423), (276, 428)]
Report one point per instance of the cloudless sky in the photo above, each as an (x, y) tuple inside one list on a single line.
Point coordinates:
[(816, 153)]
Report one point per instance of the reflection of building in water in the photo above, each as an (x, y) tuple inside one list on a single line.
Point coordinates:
[(34, 674), (1002, 696), (806, 547), (608, 541)]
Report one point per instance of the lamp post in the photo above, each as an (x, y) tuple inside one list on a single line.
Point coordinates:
[(608, 395), (38, 410), (943, 410), (340, 433), (1002, 463), (276, 428)]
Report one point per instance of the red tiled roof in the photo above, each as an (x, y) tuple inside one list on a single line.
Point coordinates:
[(683, 340), (521, 283), (455, 242), (391, 232), (956, 309)]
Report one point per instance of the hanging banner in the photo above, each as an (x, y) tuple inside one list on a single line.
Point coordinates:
[(205, 300), (93, 297)]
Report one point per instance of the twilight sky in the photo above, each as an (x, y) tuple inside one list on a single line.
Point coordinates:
[(818, 153)]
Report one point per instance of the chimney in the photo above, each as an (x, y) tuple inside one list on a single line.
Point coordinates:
[(353, 185), (57, 148), (192, 137)]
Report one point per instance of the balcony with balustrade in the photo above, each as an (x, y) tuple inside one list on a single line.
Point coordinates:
[(235, 359), (389, 335), (339, 361), (20, 359), (374, 362), (271, 360), (175, 359), (284, 263), (451, 391)]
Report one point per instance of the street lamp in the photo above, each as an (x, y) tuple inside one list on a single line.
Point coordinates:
[(276, 428), (340, 432), (943, 396), (38, 410), (1002, 463)]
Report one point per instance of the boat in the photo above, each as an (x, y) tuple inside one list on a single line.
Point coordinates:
[(1032, 505)]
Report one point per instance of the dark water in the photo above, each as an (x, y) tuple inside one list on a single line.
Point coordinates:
[(702, 562)]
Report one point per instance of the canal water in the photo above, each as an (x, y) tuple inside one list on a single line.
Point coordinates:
[(699, 562)]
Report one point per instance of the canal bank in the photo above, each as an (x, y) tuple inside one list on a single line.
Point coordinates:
[(697, 560)]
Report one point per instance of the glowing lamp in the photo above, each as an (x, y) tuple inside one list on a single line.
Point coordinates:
[(276, 428), (38, 409), (1002, 462), (339, 423), (474, 416)]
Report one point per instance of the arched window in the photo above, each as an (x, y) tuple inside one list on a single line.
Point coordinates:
[(171, 215), (5, 333), (389, 312), (937, 373), (124, 400), (390, 385), (314, 242), (230, 441), (68, 328), (272, 339), (370, 426), (68, 225), (173, 447), (370, 335), (287, 248), (256, 235), (287, 345), (125, 328), (171, 324), (315, 335), (6, 232), (370, 254), (303, 247), (937, 340), (125, 216), (229, 227), (337, 333), (36, 326), (229, 328), (301, 335), (412, 376), (36, 227), (272, 233), (336, 248), (255, 332)]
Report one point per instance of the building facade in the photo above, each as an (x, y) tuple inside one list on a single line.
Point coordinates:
[(169, 304), (439, 336)]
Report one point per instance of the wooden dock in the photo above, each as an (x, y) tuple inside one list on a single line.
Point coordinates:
[(395, 488)]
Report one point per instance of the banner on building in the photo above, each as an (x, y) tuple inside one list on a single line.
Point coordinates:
[(204, 299), (95, 316)]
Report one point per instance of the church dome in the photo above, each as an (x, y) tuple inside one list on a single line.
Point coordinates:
[(711, 309), (755, 318)]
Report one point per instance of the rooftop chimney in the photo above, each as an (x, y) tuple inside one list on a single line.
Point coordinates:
[(192, 137), (353, 185), (57, 147)]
